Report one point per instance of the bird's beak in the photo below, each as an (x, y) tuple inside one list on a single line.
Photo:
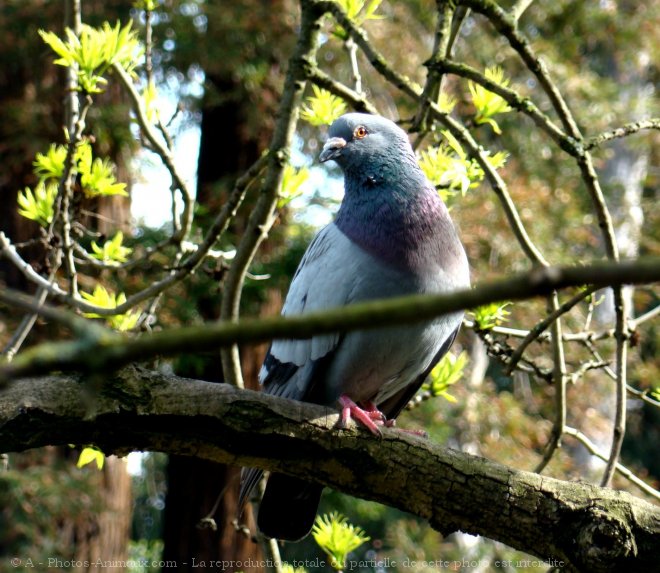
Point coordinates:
[(332, 148)]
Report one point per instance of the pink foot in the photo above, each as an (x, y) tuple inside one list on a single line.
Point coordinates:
[(370, 416)]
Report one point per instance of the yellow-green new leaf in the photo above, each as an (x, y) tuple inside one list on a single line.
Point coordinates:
[(322, 108), (91, 454), (337, 537), (104, 298), (490, 315), (293, 181), (38, 205), (487, 103), (286, 568), (112, 252), (99, 180), (50, 165), (95, 51), (446, 373)]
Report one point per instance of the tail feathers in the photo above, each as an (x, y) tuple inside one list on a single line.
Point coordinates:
[(249, 479), (288, 508)]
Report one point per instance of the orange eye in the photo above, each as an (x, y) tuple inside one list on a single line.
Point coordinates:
[(360, 132)]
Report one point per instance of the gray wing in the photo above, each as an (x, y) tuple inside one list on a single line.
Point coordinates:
[(324, 279)]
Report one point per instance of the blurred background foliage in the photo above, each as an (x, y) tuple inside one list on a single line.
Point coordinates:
[(223, 64)]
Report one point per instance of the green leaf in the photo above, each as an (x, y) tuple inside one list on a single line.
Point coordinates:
[(490, 315), (98, 179), (449, 168), (95, 51), (487, 103), (359, 11), (104, 298), (38, 205), (91, 454), (50, 165), (322, 108), (446, 373), (112, 252), (337, 537), (293, 181), (150, 99)]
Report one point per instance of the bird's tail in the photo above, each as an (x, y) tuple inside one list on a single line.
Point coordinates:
[(288, 508), (249, 479)]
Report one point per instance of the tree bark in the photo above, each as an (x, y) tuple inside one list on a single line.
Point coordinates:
[(579, 526)]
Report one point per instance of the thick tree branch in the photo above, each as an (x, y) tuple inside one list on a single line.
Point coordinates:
[(586, 527)]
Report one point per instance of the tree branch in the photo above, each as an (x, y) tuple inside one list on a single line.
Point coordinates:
[(585, 527), (98, 353)]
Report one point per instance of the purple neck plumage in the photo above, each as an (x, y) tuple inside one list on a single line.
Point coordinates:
[(404, 224)]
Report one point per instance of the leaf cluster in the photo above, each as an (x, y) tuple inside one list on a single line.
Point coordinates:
[(95, 51), (337, 537)]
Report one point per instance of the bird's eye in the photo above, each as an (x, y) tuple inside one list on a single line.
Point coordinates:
[(360, 132)]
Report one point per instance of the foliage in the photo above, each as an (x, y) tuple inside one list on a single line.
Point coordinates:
[(95, 52), (142, 553), (96, 174), (112, 252), (322, 108), (38, 205), (286, 568), (50, 165), (293, 183), (91, 454), (96, 179), (486, 102), (337, 537), (446, 373), (104, 298), (490, 315), (450, 169), (359, 11)]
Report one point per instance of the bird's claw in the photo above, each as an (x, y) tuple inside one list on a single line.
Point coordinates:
[(369, 416)]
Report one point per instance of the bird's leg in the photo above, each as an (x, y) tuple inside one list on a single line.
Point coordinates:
[(350, 409), (373, 412)]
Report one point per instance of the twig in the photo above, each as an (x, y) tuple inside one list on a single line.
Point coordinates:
[(518, 9), (441, 48), (541, 326), (496, 182), (504, 24), (559, 381), (262, 217), (623, 131), (351, 48), (357, 100), (163, 152), (188, 266), (514, 99), (625, 472)]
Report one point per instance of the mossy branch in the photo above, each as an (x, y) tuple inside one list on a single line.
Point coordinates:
[(578, 526), (99, 352)]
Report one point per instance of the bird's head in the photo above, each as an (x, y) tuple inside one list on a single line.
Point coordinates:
[(360, 140)]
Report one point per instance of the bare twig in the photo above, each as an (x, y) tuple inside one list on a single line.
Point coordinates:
[(518, 9), (540, 327), (625, 472), (623, 131), (262, 217)]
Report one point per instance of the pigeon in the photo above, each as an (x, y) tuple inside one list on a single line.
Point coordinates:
[(392, 236)]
